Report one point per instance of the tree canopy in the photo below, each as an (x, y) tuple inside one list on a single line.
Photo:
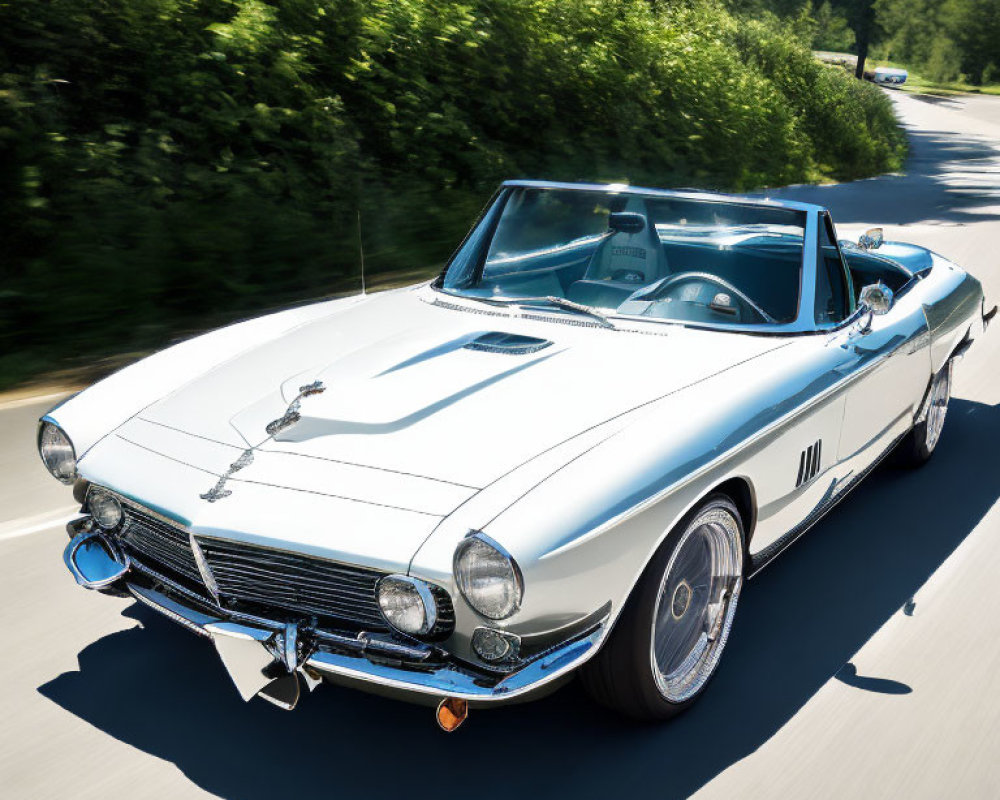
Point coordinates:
[(945, 40), (171, 164)]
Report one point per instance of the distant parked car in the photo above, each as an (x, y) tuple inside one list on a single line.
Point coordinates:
[(890, 76), (565, 454)]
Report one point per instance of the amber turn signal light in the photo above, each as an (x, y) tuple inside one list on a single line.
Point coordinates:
[(451, 713)]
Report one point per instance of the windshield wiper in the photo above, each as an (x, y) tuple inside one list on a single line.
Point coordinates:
[(550, 300), (567, 305)]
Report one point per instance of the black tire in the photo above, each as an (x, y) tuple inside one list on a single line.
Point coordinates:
[(621, 675), (919, 444)]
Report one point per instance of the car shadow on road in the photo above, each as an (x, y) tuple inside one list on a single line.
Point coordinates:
[(159, 689), (849, 674), (937, 99)]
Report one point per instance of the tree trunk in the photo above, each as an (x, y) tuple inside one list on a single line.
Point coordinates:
[(862, 42), (862, 20)]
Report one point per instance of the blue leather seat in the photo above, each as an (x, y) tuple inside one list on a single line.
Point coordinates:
[(630, 257)]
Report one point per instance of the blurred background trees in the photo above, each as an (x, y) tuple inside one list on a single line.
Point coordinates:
[(947, 39), (167, 165), (943, 40)]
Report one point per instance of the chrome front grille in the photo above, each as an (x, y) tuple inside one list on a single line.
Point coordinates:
[(269, 579), (161, 543), (294, 582)]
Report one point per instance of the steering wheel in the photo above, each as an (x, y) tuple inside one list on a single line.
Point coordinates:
[(662, 290)]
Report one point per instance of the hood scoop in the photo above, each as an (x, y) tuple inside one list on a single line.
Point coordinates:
[(512, 344)]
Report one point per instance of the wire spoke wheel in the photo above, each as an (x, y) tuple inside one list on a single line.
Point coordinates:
[(696, 603), (670, 636), (940, 395)]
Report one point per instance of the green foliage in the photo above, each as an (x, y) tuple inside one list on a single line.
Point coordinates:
[(831, 29), (852, 129), (944, 61), (822, 24), (944, 41), (170, 164)]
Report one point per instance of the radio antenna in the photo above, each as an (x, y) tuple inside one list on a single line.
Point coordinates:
[(361, 251)]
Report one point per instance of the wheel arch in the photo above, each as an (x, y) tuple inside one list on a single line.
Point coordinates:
[(598, 673), (740, 490)]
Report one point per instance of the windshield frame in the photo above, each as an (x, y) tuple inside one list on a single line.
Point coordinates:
[(803, 323)]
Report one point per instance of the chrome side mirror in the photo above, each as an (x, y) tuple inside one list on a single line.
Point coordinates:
[(876, 298), (871, 239)]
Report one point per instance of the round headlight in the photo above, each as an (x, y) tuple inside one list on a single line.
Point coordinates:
[(406, 604), (488, 577), (105, 509), (57, 452)]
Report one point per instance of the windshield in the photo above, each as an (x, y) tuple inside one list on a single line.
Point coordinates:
[(673, 258)]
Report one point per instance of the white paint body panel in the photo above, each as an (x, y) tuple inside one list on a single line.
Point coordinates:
[(403, 394), (577, 458)]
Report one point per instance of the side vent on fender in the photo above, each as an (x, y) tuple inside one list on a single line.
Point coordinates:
[(809, 463)]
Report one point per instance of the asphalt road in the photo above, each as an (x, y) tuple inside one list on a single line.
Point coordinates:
[(864, 663)]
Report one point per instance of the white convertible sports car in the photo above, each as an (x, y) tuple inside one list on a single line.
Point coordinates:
[(564, 455)]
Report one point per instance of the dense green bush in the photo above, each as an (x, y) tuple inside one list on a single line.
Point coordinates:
[(832, 112), (170, 164)]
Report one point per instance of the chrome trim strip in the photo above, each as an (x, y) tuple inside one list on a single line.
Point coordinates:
[(837, 492), (698, 472), (182, 525), (805, 320), (206, 571), (174, 611), (364, 642), (113, 554), (446, 680), (692, 194)]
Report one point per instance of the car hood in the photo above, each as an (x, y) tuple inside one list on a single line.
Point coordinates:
[(423, 388)]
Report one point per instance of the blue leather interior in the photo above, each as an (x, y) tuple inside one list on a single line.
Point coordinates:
[(628, 259), (868, 268)]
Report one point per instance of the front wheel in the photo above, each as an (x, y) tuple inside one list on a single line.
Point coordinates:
[(670, 636), (918, 446)]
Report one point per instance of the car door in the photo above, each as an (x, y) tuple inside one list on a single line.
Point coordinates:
[(801, 471), (887, 364), (892, 368), (885, 358)]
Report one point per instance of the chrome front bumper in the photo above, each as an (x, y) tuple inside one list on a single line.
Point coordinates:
[(273, 659)]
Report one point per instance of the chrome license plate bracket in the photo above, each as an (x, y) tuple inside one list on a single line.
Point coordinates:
[(246, 654)]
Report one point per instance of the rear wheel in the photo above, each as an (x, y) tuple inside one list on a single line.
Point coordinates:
[(668, 641), (919, 444)]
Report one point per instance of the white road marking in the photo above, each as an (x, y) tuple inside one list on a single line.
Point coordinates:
[(38, 523), (31, 400)]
